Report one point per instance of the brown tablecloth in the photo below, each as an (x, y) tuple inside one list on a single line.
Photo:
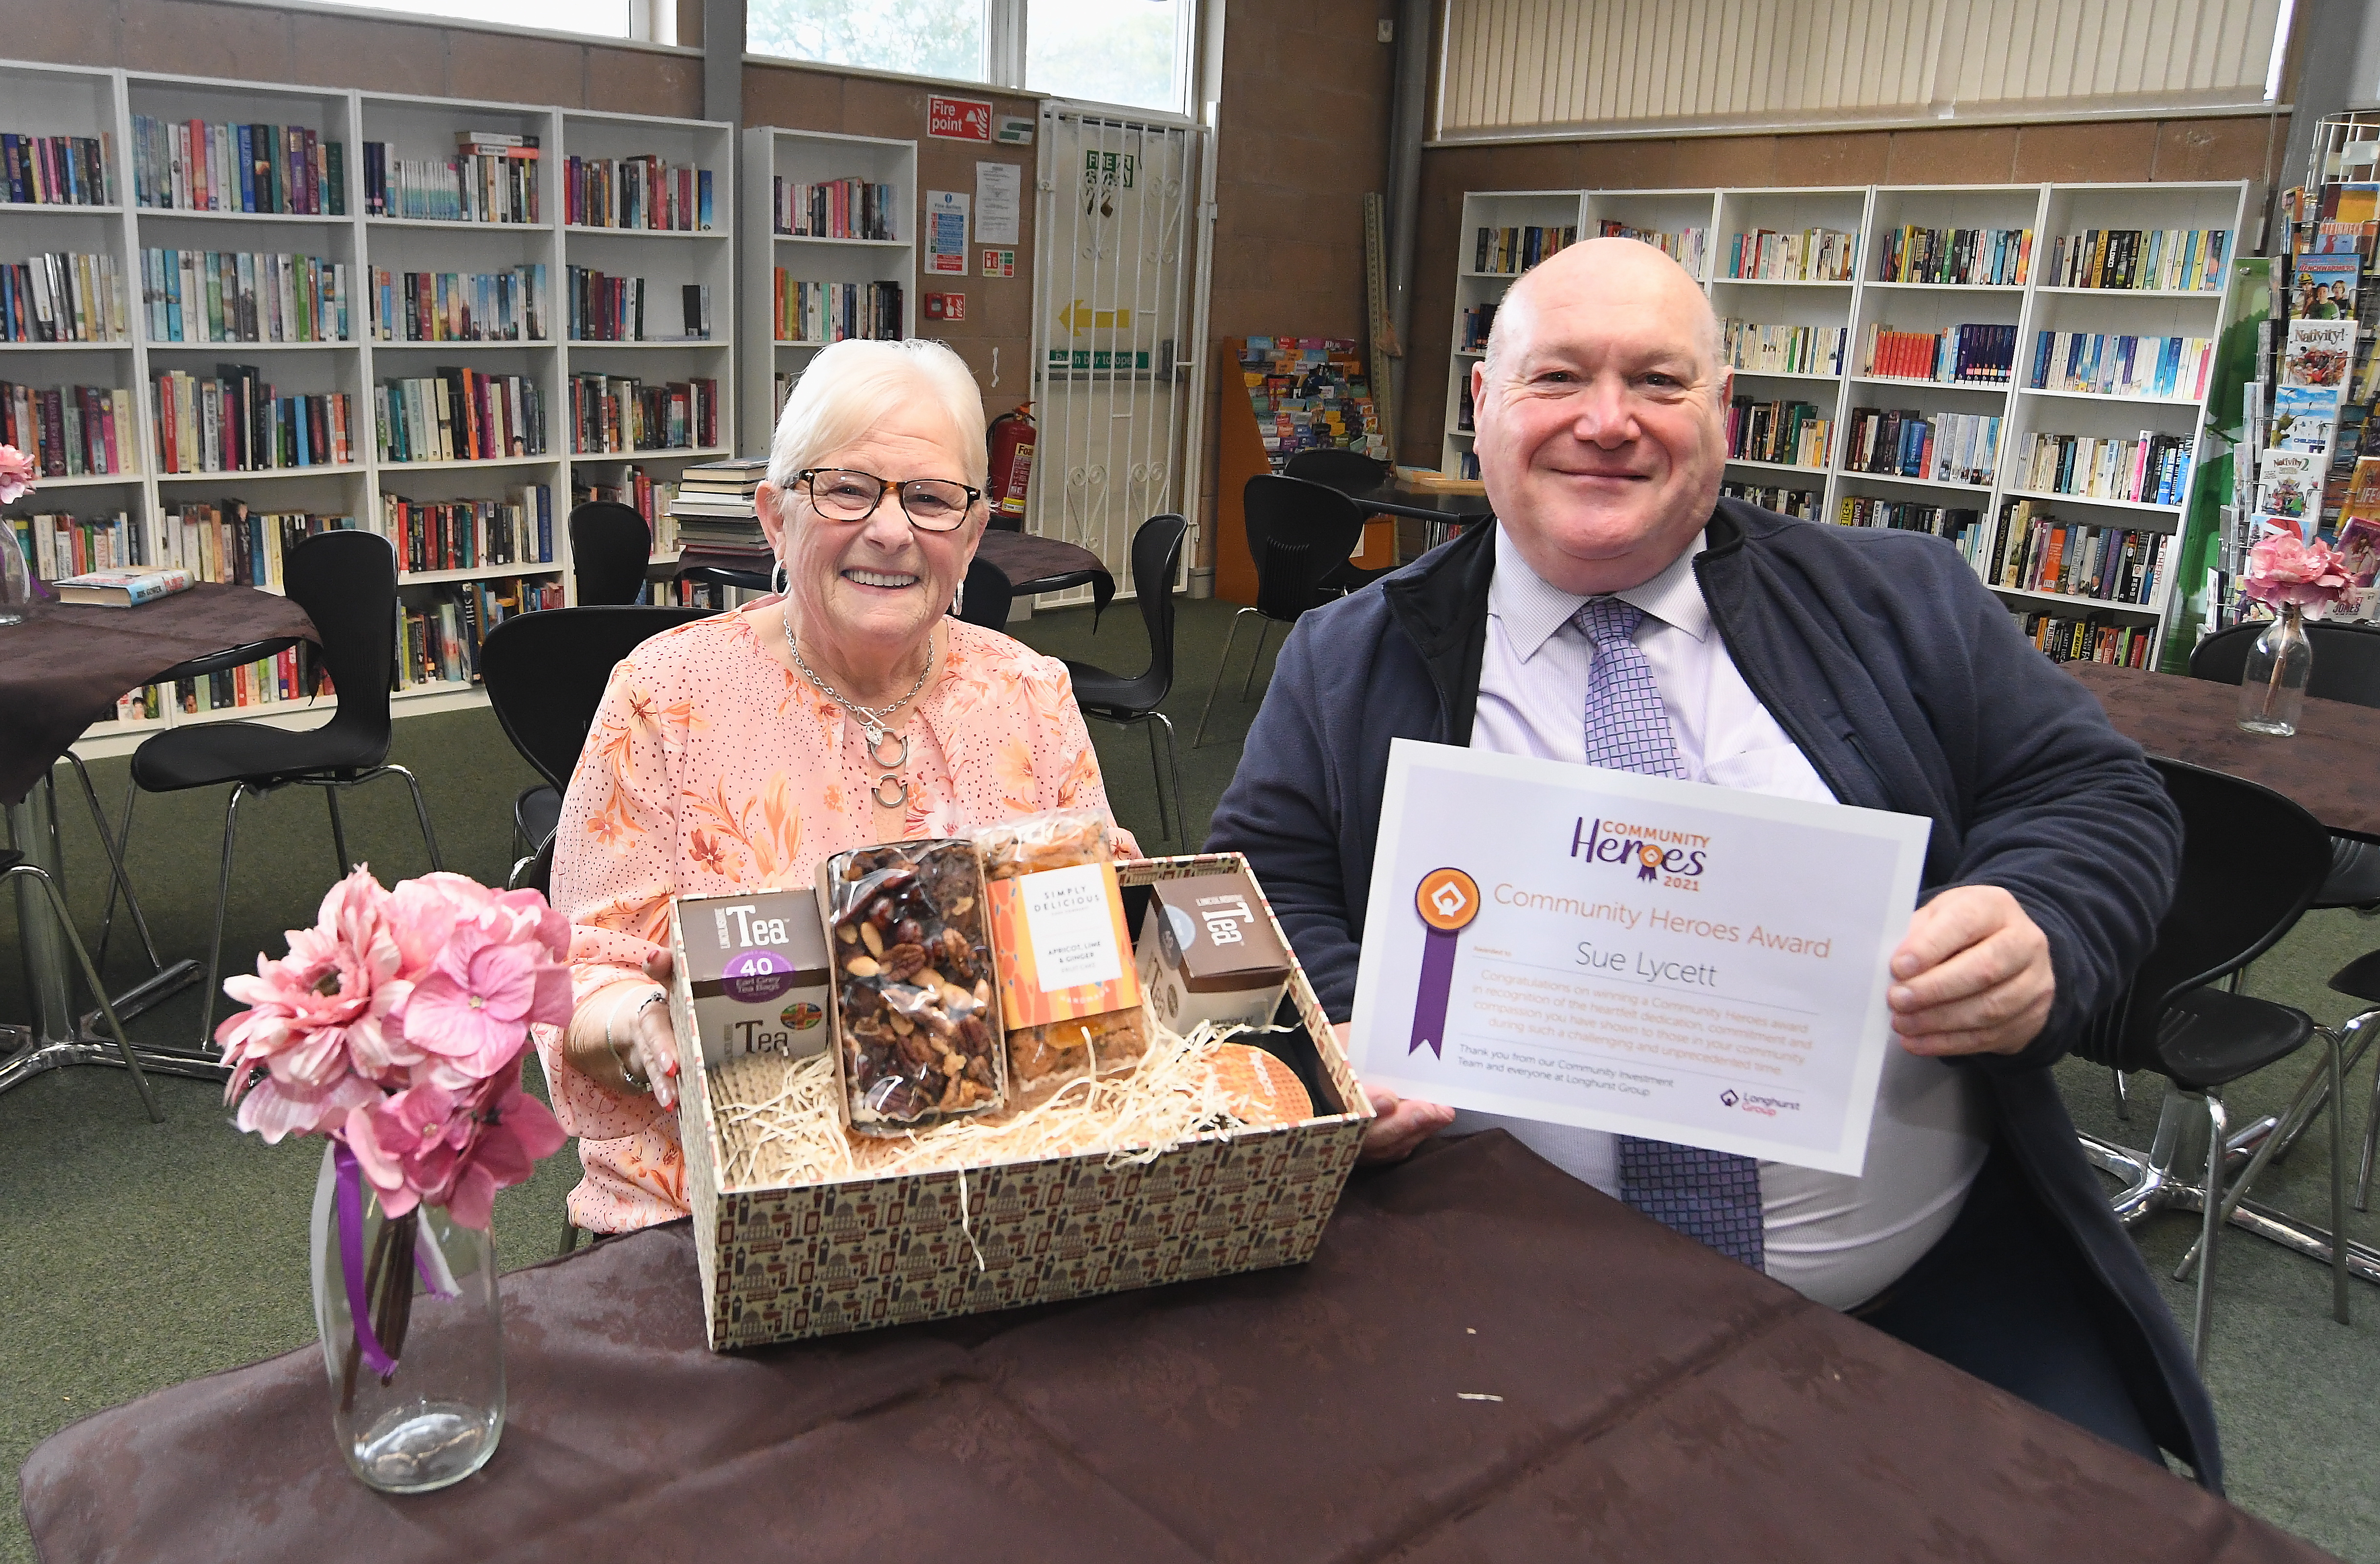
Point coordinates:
[(65, 668), (2331, 767), (1487, 1360), (1034, 565)]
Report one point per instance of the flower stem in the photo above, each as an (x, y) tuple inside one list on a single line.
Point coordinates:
[(372, 1273)]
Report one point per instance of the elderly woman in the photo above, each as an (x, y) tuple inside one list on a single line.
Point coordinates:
[(736, 751)]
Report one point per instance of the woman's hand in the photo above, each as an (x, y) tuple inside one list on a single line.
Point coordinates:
[(652, 1052), (602, 1038), (1398, 1124)]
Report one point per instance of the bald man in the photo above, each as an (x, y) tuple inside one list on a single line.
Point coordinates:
[(1807, 661)]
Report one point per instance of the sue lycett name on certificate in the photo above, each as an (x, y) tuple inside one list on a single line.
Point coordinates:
[(1633, 954)]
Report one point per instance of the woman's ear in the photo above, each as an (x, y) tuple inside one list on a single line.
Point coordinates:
[(771, 503)]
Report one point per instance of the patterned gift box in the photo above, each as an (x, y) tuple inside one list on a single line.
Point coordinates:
[(803, 1260)]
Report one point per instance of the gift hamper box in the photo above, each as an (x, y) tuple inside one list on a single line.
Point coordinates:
[(783, 1260)]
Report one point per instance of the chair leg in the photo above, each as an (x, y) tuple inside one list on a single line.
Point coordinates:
[(422, 812), (2371, 1118), (123, 840), (1248, 685), (569, 1236), (338, 836), (1157, 775), (2123, 1095), (1174, 766), (1221, 664), (521, 866), (214, 943), (119, 880), (2338, 1050), (2203, 1315), (90, 975)]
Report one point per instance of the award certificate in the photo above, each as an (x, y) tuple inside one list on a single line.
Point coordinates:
[(1633, 954)]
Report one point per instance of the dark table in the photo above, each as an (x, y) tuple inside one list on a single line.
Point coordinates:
[(1485, 1359), (1442, 512), (60, 671), (2329, 767), (1032, 565)]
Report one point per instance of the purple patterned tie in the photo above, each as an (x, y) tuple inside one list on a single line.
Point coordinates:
[(1712, 1197)]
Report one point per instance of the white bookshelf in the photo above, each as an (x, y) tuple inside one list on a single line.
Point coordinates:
[(1868, 299), (50, 100), (811, 157)]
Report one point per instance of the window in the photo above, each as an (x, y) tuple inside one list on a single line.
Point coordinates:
[(940, 38), (1127, 51), (604, 19), (1108, 51)]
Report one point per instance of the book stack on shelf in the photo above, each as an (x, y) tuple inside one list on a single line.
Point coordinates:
[(1308, 393), (608, 309), (200, 166), (715, 512), (70, 430), (470, 534), (507, 306), (827, 252), (1949, 334), (641, 492), (439, 639), (235, 420), (621, 413), (58, 170), (64, 297), (1510, 251), (221, 295), (458, 414), (492, 178), (640, 191)]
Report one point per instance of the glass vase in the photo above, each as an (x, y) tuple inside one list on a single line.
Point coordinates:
[(16, 576), (2272, 685), (433, 1415)]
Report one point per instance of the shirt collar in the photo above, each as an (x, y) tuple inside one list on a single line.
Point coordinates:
[(1533, 610)]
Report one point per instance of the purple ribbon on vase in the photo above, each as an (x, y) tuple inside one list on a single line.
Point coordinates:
[(351, 1259)]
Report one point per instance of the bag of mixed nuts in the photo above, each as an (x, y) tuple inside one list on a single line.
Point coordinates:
[(916, 1028), (1069, 992)]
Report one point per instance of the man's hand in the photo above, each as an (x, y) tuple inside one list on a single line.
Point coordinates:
[(1972, 977), (1399, 1123)]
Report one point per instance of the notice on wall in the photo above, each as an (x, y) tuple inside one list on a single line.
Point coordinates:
[(946, 233), (999, 199), (958, 119)]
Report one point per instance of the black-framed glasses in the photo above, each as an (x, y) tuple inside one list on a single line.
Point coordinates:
[(935, 505)]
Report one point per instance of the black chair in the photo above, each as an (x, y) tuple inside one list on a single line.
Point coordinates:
[(545, 675), (1299, 532), (1156, 560), (985, 596), (1348, 471), (610, 546), (346, 582), (2346, 668), (2250, 859), (12, 864)]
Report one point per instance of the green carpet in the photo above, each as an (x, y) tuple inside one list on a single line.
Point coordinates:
[(133, 1256)]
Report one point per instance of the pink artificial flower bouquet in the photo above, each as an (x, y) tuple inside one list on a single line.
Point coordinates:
[(395, 1027), (2283, 569), (19, 472)]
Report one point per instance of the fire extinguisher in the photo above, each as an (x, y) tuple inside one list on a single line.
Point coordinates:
[(1012, 439)]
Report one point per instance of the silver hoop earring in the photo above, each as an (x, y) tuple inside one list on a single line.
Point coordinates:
[(780, 578), (958, 602)]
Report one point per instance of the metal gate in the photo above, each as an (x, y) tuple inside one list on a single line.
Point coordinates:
[(1112, 317)]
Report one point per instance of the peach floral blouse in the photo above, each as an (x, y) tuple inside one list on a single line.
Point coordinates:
[(711, 768)]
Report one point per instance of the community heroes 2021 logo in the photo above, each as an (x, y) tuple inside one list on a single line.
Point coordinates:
[(1674, 857)]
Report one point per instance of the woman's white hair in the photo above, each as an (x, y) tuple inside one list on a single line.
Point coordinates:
[(853, 385)]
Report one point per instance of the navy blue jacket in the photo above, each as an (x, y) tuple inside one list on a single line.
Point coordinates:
[(1907, 686)]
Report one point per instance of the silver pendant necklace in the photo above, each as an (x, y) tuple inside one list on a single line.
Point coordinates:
[(875, 721)]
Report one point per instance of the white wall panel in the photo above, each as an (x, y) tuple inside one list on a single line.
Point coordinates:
[(1522, 67)]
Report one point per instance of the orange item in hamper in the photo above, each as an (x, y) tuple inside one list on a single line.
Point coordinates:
[(1261, 1089)]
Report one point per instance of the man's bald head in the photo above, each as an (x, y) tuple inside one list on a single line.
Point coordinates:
[(1629, 273), (1600, 411)]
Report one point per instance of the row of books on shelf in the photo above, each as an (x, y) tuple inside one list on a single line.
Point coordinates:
[(1786, 349), (623, 413), (1510, 250), (1990, 257), (224, 542), (641, 492), (2152, 469), (634, 192), (507, 306), (440, 637), (273, 681), (492, 178), (1811, 255), (1958, 355), (1803, 503), (243, 295), (470, 534), (1942, 447), (826, 312), (1961, 526), (200, 166), (58, 170), (1477, 321), (2034, 551), (62, 297), (609, 309), (2068, 638), (1791, 434), (458, 414), (835, 209), (1688, 247), (2166, 260), (69, 430), (235, 420), (2113, 365)]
